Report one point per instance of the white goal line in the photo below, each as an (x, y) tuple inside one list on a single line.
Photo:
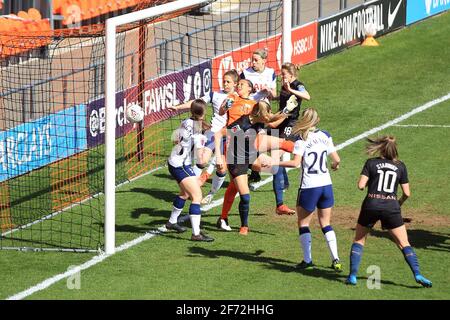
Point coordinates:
[(99, 258)]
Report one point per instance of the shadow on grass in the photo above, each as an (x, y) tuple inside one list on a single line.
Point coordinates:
[(163, 176), (422, 239), (212, 227), (282, 265), (159, 194), (151, 212)]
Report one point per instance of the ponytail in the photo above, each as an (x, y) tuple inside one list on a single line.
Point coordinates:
[(198, 109), (307, 123), (385, 146)]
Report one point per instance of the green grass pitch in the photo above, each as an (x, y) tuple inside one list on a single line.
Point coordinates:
[(354, 91)]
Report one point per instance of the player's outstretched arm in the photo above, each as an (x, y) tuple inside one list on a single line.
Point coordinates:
[(303, 93), (181, 107)]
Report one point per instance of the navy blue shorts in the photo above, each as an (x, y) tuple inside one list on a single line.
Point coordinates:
[(180, 173), (320, 197)]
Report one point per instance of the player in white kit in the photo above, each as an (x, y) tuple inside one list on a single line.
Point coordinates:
[(311, 152), (263, 78), (189, 145)]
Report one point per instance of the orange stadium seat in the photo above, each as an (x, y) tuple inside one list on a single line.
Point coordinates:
[(85, 9), (112, 5), (23, 15), (16, 31), (119, 4), (90, 9), (57, 6), (34, 14)]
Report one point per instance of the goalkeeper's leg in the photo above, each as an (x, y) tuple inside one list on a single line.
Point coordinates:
[(230, 194)]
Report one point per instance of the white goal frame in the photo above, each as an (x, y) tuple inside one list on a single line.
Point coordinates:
[(110, 93)]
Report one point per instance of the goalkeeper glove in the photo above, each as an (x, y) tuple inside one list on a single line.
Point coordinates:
[(228, 104), (291, 104)]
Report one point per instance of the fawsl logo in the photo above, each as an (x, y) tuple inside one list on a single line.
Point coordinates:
[(279, 55)]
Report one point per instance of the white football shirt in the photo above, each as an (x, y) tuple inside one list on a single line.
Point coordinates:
[(182, 152), (314, 152), (266, 79)]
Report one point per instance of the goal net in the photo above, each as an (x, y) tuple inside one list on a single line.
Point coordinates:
[(53, 115)]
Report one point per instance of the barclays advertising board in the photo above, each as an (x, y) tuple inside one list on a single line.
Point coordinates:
[(421, 9), (40, 142)]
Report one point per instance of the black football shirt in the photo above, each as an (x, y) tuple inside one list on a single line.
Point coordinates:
[(284, 97), (384, 178)]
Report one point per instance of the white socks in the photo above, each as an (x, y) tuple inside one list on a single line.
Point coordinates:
[(305, 242), (211, 167), (217, 182), (195, 223), (197, 170), (330, 237), (175, 214)]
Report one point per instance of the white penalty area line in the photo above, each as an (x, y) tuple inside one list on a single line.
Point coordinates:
[(99, 258), (422, 125)]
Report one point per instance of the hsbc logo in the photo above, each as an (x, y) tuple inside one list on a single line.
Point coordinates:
[(304, 45)]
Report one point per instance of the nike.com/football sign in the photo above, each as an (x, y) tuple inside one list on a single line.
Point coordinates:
[(347, 28)]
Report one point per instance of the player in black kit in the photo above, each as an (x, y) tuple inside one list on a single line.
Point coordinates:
[(382, 175), (291, 88), (243, 147)]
